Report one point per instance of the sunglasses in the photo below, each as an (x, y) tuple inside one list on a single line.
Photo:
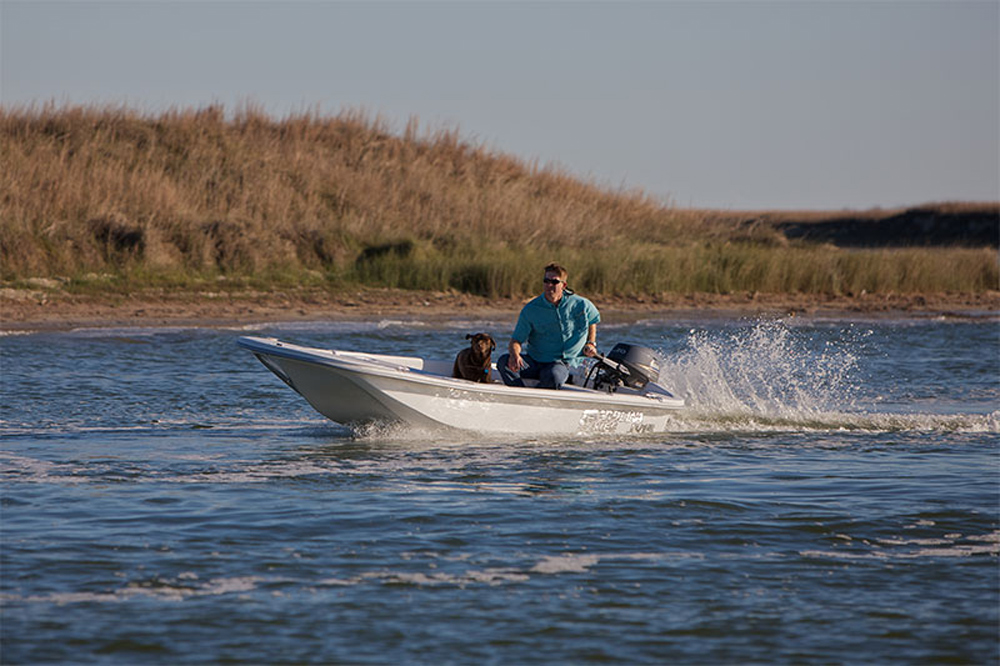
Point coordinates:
[(551, 280)]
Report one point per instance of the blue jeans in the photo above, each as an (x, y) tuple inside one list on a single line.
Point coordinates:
[(549, 375)]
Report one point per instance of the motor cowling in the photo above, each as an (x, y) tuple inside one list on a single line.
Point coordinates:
[(626, 365)]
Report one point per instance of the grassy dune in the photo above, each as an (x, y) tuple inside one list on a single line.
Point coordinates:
[(185, 197)]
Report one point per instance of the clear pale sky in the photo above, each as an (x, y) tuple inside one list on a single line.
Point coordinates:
[(743, 105)]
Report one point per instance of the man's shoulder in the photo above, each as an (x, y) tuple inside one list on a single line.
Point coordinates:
[(576, 300), (535, 303), (581, 306)]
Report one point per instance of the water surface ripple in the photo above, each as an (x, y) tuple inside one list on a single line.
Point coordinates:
[(831, 496)]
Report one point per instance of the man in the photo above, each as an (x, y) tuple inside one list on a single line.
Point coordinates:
[(558, 327)]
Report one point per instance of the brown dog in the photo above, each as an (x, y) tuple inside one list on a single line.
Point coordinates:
[(474, 363)]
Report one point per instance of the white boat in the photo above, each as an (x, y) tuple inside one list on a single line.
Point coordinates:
[(355, 388)]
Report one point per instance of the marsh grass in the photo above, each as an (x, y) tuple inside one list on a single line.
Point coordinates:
[(721, 269), (186, 197)]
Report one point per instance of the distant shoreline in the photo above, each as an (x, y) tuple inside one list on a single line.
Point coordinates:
[(35, 310)]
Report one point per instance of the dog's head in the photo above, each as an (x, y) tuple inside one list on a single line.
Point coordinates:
[(482, 345)]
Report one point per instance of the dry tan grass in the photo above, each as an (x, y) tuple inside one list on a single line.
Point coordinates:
[(196, 192)]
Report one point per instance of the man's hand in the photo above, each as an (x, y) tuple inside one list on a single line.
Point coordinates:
[(514, 360)]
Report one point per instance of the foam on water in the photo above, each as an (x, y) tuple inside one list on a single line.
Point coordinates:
[(764, 370), (772, 377), (899, 548)]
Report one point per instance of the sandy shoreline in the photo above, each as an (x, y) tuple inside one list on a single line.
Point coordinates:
[(38, 310)]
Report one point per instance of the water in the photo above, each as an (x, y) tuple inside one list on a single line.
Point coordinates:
[(831, 496)]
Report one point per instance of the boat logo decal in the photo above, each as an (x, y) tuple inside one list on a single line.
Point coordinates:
[(613, 420)]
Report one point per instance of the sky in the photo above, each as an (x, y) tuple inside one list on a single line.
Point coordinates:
[(745, 105)]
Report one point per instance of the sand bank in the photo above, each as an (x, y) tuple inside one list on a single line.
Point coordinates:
[(46, 309)]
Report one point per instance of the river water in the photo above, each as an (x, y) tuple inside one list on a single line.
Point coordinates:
[(830, 496)]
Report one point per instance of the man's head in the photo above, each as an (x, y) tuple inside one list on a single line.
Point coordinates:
[(555, 282)]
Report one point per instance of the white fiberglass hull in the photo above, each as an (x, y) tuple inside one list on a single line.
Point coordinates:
[(353, 388)]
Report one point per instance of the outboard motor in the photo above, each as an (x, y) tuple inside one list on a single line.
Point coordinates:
[(625, 365)]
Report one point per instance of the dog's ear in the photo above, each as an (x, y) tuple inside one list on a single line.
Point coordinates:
[(468, 336), (493, 343)]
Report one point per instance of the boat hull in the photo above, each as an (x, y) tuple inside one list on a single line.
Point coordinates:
[(354, 389)]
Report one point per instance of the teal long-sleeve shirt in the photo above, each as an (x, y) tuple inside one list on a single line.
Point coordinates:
[(555, 332)]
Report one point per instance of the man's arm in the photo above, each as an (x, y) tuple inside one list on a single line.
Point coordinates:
[(590, 348), (514, 360)]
